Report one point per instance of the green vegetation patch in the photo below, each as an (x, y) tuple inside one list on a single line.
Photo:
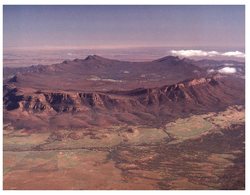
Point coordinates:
[(144, 135), (188, 127), (16, 141)]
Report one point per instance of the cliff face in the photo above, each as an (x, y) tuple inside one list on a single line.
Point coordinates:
[(193, 94), (35, 109), (103, 92)]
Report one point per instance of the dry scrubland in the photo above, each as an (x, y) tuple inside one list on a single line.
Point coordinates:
[(197, 152)]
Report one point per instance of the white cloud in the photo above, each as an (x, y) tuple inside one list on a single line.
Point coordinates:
[(69, 54), (210, 70), (188, 53), (213, 53), (201, 53), (237, 54), (227, 70)]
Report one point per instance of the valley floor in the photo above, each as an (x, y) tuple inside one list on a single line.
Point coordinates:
[(199, 152)]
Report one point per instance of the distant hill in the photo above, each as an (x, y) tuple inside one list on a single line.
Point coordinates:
[(98, 73)]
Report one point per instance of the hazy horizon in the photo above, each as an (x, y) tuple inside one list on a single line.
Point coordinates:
[(50, 34), (21, 58)]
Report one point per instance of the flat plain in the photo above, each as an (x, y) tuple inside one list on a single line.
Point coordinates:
[(131, 157)]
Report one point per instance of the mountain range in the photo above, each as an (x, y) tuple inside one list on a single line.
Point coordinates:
[(97, 91)]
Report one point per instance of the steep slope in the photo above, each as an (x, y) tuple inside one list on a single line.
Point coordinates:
[(140, 106), (96, 91)]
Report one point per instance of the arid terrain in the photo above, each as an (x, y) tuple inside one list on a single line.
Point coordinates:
[(97, 123)]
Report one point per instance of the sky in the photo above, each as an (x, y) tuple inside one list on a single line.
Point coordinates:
[(123, 26)]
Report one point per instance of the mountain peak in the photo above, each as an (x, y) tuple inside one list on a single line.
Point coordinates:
[(168, 59), (94, 57)]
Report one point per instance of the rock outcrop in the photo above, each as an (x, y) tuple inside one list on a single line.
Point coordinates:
[(196, 93)]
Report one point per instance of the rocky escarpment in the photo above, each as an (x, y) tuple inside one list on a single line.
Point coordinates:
[(191, 95)]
